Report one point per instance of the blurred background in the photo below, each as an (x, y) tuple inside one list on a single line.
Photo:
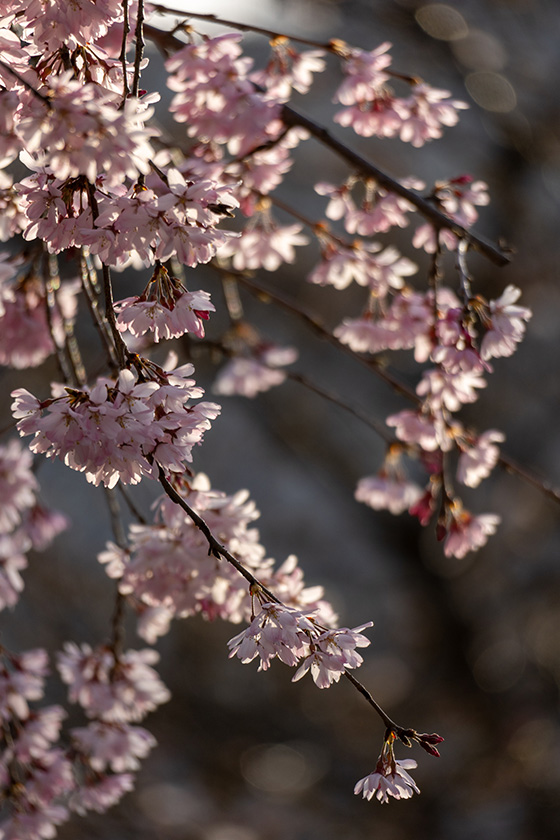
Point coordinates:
[(468, 648)]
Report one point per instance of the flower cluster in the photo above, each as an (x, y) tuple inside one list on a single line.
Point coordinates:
[(167, 572), (216, 98), (374, 110), (119, 430), (24, 522), (165, 308), (292, 636)]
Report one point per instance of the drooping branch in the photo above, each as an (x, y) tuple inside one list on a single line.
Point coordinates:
[(217, 549)]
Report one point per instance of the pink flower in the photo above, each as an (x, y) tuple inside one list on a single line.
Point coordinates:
[(364, 72), (99, 793), (386, 492), (165, 308), (425, 112), (506, 323), (468, 533), (332, 653), (38, 733), (113, 691), (251, 376), (477, 461), (113, 745), (18, 485), (288, 69), (277, 631), (23, 680), (389, 779), (264, 247)]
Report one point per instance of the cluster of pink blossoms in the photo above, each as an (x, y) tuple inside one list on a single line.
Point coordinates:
[(32, 321), (119, 430), (45, 776), (374, 110), (165, 308), (457, 338), (166, 571), (25, 523), (292, 636), (443, 335)]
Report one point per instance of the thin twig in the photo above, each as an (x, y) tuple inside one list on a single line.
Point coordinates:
[(378, 428), (513, 468), (89, 284), (242, 27), (120, 346), (140, 44), (215, 546), (117, 623), (390, 724), (122, 56), (218, 550)]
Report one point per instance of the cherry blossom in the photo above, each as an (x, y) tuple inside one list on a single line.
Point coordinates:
[(389, 780), (288, 69), (99, 793), (266, 246), (165, 308), (117, 429), (506, 324), (467, 532), (251, 376), (425, 112), (332, 652), (112, 690), (117, 746), (478, 459), (458, 198), (384, 492), (364, 73), (277, 631)]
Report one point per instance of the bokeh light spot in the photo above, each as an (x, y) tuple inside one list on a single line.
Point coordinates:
[(442, 22), (492, 92)]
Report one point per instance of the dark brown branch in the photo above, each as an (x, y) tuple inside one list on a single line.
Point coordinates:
[(120, 346), (242, 27), (218, 550), (368, 170), (122, 56), (215, 546), (378, 428), (140, 44)]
